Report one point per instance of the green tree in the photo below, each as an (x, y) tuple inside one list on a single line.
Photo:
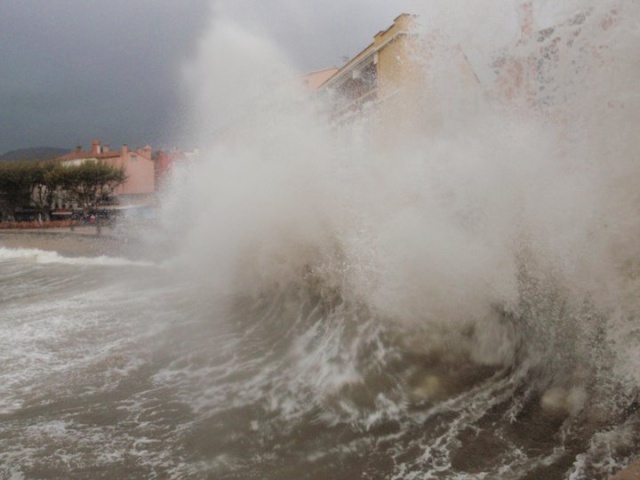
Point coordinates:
[(43, 187), (16, 180), (32, 184), (88, 183)]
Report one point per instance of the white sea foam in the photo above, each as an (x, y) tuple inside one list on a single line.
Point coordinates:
[(51, 257), (475, 282), (502, 239), (500, 204)]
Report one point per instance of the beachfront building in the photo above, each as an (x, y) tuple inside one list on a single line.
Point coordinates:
[(164, 161), (549, 73), (542, 68), (167, 160), (313, 80), (394, 87), (138, 189)]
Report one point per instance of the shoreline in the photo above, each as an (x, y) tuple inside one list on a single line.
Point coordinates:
[(84, 241), (81, 242)]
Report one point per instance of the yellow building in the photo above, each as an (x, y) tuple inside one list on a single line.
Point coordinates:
[(395, 85)]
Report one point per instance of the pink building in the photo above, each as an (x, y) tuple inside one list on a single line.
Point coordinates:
[(164, 161), (138, 166), (313, 80)]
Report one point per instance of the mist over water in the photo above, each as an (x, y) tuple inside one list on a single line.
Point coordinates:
[(460, 303), (456, 212), (499, 243)]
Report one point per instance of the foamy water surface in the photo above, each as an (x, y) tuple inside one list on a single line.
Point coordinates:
[(462, 305)]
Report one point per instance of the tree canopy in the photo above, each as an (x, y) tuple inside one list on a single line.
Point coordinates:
[(88, 183), (32, 184), (16, 181)]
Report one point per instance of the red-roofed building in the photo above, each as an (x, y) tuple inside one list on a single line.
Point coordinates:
[(164, 162), (138, 166)]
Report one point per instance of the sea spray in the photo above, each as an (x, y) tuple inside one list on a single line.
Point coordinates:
[(499, 240), (456, 301)]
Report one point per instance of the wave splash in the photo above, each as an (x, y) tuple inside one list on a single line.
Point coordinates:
[(51, 257), (481, 270)]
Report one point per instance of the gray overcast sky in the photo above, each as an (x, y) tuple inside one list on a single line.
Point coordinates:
[(74, 70)]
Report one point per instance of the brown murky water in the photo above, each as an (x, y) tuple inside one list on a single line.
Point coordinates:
[(115, 369)]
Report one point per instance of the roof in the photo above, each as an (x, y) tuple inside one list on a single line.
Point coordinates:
[(78, 155), (313, 80), (398, 27)]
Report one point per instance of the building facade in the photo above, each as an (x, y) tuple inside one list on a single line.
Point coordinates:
[(394, 85), (313, 80), (541, 70), (138, 165)]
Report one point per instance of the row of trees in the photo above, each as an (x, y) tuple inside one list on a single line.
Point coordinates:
[(36, 185)]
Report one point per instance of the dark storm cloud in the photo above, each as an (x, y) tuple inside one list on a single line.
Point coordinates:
[(74, 70)]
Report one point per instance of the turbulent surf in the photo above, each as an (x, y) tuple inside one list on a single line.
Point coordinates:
[(460, 305)]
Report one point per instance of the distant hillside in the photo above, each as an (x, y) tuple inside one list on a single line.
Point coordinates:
[(34, 153)]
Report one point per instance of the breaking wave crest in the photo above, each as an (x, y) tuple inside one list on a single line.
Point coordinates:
[(479, 270), (458, 301), (48, 257)]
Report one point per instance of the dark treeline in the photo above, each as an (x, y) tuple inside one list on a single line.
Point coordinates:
[(36, 185)]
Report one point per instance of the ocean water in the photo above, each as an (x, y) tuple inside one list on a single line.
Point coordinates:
[(181, 380), (462, 307)]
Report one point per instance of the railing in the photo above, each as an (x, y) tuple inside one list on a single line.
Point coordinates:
[(356, 105)]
